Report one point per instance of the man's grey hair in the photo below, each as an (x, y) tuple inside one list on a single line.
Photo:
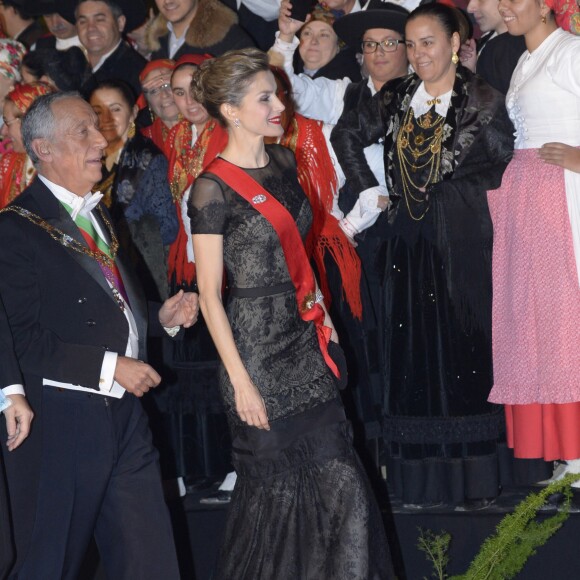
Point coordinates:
[(116, 10), (39, 121)]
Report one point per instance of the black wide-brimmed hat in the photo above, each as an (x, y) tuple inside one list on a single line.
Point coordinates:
[(376, 14), (65, 8), (135, 11)]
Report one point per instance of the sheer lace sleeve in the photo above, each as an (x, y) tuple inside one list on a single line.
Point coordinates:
[(207, 207)]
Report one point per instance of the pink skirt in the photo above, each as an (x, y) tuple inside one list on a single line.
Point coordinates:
[(536, 311), (536, 297)]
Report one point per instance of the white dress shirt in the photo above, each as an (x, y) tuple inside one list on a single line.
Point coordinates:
[(174, 43), (105, 57)]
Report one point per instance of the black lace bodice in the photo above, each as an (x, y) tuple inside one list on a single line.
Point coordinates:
[(253, 255)]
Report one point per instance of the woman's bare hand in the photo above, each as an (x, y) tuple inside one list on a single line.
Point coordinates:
[(250, 405), (287, 25), (562, 155)]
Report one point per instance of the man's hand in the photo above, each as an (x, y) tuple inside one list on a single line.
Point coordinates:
[(135, 376), (468, 54), (18, 418), (180, 310)]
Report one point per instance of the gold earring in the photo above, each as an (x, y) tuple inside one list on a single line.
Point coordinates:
[(544, 19), (131, 131), (455, 58)]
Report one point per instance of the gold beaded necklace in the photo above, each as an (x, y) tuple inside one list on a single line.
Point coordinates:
[(413, 146)]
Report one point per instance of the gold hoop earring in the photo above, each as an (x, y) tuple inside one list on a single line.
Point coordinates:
[(455, 58)]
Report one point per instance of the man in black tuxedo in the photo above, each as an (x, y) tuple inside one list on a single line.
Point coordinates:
[(18, 418), (79, 324)]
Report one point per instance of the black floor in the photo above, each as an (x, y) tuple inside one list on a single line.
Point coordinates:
[(198, 530)]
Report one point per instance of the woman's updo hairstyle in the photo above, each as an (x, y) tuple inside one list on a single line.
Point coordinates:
[(445, 15), (225, 79)]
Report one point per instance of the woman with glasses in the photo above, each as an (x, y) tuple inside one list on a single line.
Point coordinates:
[(155, 81), (447, 140), (16, 169)]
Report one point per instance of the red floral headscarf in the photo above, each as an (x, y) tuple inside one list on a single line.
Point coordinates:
[(24, 94), (567, 14)]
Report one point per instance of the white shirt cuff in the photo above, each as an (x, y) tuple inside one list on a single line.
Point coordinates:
[(14, 390), (108, 372), (172, 330), (365, 211), (286, 49)]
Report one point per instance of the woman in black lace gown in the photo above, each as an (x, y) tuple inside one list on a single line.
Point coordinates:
[(302, 508)]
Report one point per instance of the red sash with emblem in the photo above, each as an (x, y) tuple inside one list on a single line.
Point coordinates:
[(292, 246)]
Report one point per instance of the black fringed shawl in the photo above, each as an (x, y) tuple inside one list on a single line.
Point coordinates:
[(475, 152)]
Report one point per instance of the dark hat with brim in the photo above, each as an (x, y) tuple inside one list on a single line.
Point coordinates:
[(134, 11), (64, 8), (31, 7), (376, 14)]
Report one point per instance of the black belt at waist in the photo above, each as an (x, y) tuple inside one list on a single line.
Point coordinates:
[(260, 291)]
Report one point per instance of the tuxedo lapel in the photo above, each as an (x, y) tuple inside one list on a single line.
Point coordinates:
[(137, 302), (56, 215)]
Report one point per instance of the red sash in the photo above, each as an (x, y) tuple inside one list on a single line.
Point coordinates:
[(292, 246)]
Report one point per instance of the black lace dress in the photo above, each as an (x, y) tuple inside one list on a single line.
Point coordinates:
[(302, 507)]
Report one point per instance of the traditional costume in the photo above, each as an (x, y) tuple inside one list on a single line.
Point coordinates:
[(536, 259), (440, 432)]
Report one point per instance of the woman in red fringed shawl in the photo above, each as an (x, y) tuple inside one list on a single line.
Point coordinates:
[(16, 169), (193, 143), (155, 81), (320, 183)]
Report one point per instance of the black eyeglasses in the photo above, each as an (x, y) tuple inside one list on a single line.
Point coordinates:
[(388, 45)]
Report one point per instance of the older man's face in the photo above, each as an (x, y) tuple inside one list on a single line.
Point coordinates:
[(98, 30), (76, 148)]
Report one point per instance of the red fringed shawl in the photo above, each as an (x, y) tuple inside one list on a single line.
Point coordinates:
[(185, 164), (318, 180)]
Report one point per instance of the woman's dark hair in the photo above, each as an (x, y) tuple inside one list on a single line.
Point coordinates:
[(225, 79), (63, 67), (35, 62), (117, 85), (446, 16)]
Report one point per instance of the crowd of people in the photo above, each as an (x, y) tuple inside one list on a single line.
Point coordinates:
[(367, 212)]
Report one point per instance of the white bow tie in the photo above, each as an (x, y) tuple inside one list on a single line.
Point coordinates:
[(85, 204)]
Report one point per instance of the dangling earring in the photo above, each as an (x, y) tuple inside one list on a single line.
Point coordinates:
[(237, 123), (544, 19), (131, 131), (455, 58), (151, 113)]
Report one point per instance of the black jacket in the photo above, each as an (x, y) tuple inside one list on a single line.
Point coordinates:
[(63, 317), (124, 64)]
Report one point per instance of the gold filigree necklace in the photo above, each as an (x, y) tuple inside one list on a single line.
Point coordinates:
[(416, 151)]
